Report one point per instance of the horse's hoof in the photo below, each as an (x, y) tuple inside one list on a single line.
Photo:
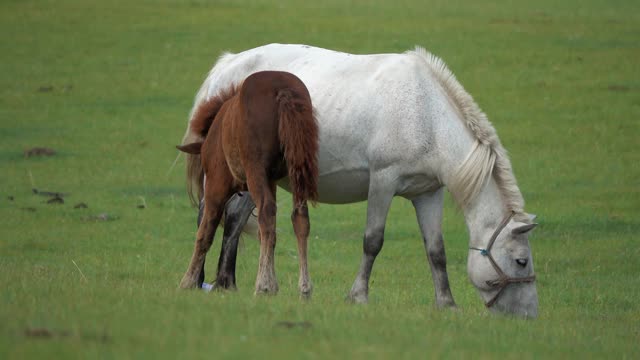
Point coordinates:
[(224, 287), (449, 304), (453, 308), (225, 283), (357, 298)]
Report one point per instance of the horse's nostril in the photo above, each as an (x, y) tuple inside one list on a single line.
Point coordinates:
[(522, 262)]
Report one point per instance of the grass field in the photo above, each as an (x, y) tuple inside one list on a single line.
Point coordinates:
[(109, 84)]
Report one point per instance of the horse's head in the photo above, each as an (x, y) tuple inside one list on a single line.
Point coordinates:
[(502, 271)]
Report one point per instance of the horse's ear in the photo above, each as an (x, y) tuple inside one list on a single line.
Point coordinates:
[(523, 229), (193, 148)]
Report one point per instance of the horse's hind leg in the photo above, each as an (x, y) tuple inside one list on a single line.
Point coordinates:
[(300, 220), (429, 212), (263, 194), (380, 196), (214, 204)]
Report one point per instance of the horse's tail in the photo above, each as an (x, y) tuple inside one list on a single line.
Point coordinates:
[(202, 115), (298, 132)]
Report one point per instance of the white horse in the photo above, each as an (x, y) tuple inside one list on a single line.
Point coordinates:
[(402, 125)]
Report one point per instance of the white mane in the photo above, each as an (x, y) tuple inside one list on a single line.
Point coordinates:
[(487, 156)]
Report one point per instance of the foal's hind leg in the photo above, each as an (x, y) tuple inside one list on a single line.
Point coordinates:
[(300, 220), (201, 277), (213, 207), (263, 195)]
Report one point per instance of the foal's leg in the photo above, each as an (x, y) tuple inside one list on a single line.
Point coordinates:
[(200, 214), (263, 195), (429, 211), (380, 197), (300, 220), (214, 203)]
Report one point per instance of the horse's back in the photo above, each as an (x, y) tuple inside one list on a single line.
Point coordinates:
[(378, 111)]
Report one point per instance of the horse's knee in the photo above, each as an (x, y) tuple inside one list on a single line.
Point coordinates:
[(435, 250), (373, 240)]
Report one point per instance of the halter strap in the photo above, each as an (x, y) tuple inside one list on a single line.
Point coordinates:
[(503, 279), (499, 230)]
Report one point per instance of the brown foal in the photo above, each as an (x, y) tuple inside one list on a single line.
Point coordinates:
[(251, 137)]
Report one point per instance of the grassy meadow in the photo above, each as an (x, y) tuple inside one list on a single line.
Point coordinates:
[(109, 84)]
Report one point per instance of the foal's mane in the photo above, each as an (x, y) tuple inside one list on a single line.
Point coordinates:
[(487, 157), (203, 114), (200, 121)]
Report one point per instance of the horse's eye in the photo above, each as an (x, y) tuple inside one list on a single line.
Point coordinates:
[(522, 262)]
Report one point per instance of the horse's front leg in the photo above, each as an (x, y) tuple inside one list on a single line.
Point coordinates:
[(300, 220), (214, 201), (237, 212), (429, 212)]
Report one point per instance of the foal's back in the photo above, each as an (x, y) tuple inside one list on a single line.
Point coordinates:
[(255, 132)]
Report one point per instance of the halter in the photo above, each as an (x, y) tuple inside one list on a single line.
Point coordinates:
[(503, 279)]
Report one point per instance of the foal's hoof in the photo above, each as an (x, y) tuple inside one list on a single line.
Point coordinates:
[(305, 288), (265, 290), (305, 294), (188, 283)]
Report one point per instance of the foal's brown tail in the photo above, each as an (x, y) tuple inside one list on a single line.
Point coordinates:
[(298, 132)]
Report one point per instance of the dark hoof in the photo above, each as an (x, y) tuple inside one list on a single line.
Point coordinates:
[(225, 283), (224, 287)]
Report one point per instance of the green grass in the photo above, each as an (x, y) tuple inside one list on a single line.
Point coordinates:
[(559, 80)]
